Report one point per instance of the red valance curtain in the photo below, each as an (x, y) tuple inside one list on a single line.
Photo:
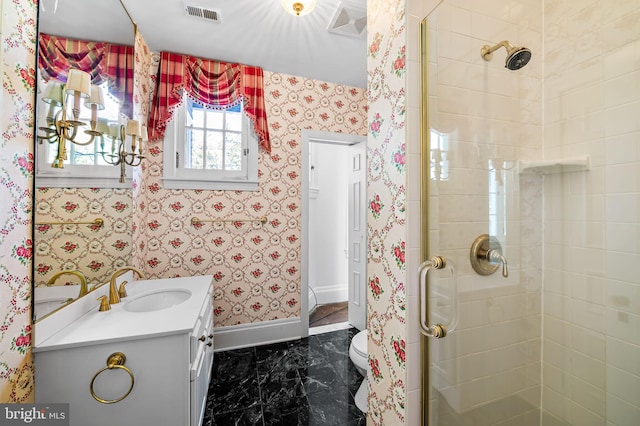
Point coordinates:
[(103, 61), (212, 84)]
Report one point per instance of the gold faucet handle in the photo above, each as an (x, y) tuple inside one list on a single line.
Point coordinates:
[(122, 292), (104, 303)]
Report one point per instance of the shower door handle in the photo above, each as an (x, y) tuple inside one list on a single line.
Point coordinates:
[(436, 330)]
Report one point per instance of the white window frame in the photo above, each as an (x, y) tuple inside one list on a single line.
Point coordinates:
[(175, 176), (77, 176)]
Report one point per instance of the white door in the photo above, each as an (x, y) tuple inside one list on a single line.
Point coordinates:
[(357, 236)]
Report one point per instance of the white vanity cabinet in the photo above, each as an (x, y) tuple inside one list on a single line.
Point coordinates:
[(201, 352), (171, 368)]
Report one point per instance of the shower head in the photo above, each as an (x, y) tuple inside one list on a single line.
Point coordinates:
[(517, 57)]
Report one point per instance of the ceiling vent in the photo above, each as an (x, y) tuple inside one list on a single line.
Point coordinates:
[(350, 19), (212, 15)]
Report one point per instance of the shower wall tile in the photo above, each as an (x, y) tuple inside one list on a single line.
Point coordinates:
[(592, 98), (492, 28), (623, 237), (621, 208), (624, 297), (581, 416), (617, 120), (589, 288), (588, 342), (557, 330), (588, 370), (624, 385), (622, 149), (413, 366), (558, 406), (620, 412), (623, 266), (621, 90), (559, 379), (622, 30), (623, 326), (623, 355), (587, 395)]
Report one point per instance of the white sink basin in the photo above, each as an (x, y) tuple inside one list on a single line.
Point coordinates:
[(157, 300)]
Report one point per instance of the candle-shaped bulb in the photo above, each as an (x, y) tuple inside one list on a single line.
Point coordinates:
[(133, 129)]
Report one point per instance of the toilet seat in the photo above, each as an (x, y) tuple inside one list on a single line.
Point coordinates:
[(359, 343)]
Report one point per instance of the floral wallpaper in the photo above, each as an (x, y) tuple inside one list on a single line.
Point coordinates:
[(91, 249), (18, 31), (386, 195), (256, 266), (144, 80)]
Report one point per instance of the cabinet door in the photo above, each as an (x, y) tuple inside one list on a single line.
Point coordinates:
[(199, 386)]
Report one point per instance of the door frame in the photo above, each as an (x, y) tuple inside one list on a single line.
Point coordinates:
[(313, 136)]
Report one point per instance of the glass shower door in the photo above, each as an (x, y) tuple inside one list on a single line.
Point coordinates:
[(479, 211), (545, 162)]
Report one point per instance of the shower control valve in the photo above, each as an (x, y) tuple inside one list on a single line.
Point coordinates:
[(496, 257), (486, 256)]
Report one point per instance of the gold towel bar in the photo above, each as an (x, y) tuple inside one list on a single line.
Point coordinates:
[(195, 220), (98, 222)]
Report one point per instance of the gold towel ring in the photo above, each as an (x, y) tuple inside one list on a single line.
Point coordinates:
[(115, 360)]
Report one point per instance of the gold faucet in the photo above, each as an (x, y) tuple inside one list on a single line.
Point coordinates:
[(113, 292), (80, 275)]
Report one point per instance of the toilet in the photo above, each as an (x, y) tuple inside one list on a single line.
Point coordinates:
[(358, 355)]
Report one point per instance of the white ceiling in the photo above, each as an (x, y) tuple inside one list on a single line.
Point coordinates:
[(253, 32)]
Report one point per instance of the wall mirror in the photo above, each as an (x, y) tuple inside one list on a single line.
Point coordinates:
[(73, 225), (315, 46)]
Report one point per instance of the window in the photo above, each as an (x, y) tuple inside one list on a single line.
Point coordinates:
[(207, 148), (85, 165), (439, 156)]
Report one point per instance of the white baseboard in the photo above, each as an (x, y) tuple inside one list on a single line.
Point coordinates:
[(312, 301), (254, 334), (331, 294)]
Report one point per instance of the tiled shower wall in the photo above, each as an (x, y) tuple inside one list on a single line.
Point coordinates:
[(591, 373)]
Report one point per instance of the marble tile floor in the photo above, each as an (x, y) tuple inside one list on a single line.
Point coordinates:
[(309, 381)]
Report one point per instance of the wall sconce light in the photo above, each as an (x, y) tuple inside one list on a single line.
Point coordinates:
[(298, 7), (118, 155), (60, 127)]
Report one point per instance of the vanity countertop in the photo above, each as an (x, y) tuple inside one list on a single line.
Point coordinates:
[(118, 324)]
